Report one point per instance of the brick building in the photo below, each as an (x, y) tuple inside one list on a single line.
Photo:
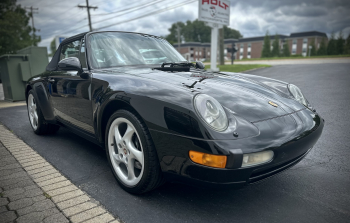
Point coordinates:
[(251, 47)]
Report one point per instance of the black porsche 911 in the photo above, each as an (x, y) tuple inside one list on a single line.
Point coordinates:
[(160, 117)]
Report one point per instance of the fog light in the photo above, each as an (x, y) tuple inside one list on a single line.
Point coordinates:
[(208, 159), (253, 159)]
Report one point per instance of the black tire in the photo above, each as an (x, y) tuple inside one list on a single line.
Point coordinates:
[(43, 127), (152, 175)]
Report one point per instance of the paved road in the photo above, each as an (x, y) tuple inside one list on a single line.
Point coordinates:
[(2, 96), (315, 190), (295, 61)]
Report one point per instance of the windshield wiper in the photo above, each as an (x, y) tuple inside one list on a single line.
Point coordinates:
[(182, 66)]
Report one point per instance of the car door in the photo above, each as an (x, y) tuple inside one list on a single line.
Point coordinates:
[(71, 92)]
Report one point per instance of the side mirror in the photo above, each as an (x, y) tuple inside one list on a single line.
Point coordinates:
[(200, 65), (70, 63)]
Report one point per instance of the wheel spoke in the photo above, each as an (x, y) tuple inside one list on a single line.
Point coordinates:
[(131, 172), (36, 117), (118, 137), (135, 153), (117, 158), (128, 134)]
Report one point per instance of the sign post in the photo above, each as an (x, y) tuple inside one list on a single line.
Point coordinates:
[(215, 13)]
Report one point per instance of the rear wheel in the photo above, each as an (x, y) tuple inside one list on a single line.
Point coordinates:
[(131, 153), (36, 118)]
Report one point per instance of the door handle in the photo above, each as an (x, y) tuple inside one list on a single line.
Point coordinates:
[(51, 80)]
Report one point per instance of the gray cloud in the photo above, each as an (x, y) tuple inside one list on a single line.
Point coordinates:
[(250, 17)]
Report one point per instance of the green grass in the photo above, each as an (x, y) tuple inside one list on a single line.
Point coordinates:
[(296, 57), (239, 67)]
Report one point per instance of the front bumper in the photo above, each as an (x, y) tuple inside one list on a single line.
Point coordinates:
[(177, 166)]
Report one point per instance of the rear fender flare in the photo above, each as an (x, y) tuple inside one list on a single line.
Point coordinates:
[(43, 101)]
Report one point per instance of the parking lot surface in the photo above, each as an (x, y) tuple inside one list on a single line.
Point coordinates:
[(315, 190)]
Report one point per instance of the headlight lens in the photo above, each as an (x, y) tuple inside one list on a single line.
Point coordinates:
[(296, 92), (211, 111), (253, 159)]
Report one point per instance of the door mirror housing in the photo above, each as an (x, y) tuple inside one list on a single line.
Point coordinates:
[(70, 63), (200, 65)]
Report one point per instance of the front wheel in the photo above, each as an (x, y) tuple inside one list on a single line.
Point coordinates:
[(36, 118), (131, 153)]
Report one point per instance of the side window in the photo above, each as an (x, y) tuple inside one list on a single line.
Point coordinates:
[(70, 50)]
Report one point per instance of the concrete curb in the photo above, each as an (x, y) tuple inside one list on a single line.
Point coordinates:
[(55, 198)]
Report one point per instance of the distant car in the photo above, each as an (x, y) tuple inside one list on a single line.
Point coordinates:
[(168, 119)]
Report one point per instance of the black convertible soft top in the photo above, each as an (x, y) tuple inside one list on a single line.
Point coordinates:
[(55, 59)]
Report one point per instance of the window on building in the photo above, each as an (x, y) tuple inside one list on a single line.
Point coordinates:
[(200, 53), (294, 51), (208, 53), (248, 53), (191, 48), (249, 45), (196, 53), (191, 54), (294, 41), (305, 40)]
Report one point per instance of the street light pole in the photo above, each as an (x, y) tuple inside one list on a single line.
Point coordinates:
[(32, 12), (310, 50), (88, 7), (178, 37)]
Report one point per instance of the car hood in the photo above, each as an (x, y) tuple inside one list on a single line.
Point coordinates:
[(243, 96)]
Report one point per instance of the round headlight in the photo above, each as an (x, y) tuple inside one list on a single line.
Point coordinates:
[(211, 111), (296, 92)]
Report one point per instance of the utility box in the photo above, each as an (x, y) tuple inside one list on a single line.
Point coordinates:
[(16, 69)]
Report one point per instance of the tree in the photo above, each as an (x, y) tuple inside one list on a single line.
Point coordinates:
[(313, 48), (197, 31), (266, 52), (53, 47), (276, 47), (286, 52), (340, 43), (15, 33), (347, 45), (332, 46), (172, 37), (323, 49), (231, 33)]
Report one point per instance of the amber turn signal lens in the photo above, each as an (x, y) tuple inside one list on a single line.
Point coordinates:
[(208, 159)]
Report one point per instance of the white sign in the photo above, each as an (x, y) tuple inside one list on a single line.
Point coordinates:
[(214, 11)]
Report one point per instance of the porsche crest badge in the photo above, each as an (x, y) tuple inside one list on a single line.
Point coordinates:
[(273, 104)]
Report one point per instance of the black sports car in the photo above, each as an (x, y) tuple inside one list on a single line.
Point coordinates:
[(167, 119)]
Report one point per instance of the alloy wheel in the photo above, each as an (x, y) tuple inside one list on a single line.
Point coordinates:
[(125, 151), (32, 110)]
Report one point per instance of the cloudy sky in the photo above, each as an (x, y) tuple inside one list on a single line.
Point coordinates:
[(250, 17)]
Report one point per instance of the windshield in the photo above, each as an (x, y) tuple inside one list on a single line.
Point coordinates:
[(112, 49)]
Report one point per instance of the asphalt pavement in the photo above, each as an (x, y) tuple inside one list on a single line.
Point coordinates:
[(294, 61), (315, 190)]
